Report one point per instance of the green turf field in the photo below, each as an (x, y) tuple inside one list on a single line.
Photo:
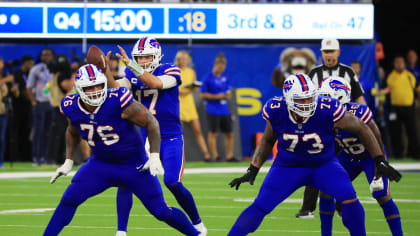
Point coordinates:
[(218, 205)]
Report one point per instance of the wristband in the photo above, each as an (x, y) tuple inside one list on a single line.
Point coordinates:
[(253, 169), (68, 162), (135, 68), (154, 155), (379, 158)]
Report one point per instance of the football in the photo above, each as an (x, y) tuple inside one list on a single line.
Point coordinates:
[(96, 57)]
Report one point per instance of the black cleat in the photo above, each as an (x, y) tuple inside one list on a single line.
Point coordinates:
[(305, 214)]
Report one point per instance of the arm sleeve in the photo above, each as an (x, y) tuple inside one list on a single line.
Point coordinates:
[(168, 81), (173, 71)]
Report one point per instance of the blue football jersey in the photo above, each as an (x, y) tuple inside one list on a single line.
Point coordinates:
[(110, 137), (349, 142), (163, 103), (306, 144)]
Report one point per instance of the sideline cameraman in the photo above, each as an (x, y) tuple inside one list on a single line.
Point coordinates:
[(60, 85)]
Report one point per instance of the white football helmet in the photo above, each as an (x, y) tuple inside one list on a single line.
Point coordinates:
[(148, 46), (336, 87), (87, 76), (298, 88)]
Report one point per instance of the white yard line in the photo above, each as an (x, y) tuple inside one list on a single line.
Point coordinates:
[(215, 170), (26, 210)]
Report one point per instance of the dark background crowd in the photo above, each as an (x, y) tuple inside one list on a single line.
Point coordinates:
[(31, 126)]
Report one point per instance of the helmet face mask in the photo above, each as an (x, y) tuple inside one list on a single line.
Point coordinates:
[(336, 87), (147, 46), (87, 78), (301, 95)]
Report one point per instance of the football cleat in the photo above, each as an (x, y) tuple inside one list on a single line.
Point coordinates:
[(121, 233), (305, 214), (201, 228)]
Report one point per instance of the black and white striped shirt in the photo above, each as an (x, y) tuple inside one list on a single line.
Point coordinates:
[(321, 72)]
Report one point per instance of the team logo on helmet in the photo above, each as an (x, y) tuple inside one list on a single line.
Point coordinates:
[(336, 87), (287, 86)]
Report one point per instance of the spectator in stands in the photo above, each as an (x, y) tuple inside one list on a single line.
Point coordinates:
[(4, 78), (216, 92), (21, 125), (401, 86), (414, 68), (188, 111), (60, 85), (412, 64), (330, 50), (39, 95), (368, 85)]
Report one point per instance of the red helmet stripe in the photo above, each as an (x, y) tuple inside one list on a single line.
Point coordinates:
[(141, 44), (90, 72), (303, 82)]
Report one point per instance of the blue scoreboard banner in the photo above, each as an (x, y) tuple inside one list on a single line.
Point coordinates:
[(199, 21)]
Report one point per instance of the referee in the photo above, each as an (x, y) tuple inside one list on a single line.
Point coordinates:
[(330, 50)]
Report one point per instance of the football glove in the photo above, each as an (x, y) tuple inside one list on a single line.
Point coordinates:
[(384, 169), (62, 170), (249, 176), (377, 184), (154, 165)]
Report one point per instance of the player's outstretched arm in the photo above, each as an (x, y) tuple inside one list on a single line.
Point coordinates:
[(354, 125), (263, 150), (72, 140)]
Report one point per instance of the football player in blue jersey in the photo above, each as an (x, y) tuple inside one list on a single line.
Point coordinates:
[(155, 85), (354, 157), (304, 125), (107, 119)]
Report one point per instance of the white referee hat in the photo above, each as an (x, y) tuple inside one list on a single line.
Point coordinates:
[(330, 44)]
